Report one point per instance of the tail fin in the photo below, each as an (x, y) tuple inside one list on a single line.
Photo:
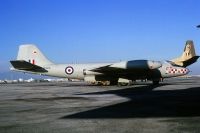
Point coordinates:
[(188, 57), (32, 54)]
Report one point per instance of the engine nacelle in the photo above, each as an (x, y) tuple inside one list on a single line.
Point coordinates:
[(138, 64), (87, 72)]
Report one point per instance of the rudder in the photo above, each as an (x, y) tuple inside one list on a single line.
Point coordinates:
[(189, 50), (188, 57)]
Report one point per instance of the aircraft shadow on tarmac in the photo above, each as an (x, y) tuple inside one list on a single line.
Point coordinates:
[(146, 103)]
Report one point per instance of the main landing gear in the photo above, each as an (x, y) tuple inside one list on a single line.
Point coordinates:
[(155, 82)]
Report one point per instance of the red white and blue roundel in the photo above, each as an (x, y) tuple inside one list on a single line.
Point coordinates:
[(69, 70)]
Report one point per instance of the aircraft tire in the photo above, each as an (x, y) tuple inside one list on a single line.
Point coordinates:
[(114, 82), (155, 82)]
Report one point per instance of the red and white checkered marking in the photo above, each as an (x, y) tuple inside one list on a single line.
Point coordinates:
[(172, 70)]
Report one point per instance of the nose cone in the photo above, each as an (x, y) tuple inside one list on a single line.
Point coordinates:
[(187, 70), (154, 64)]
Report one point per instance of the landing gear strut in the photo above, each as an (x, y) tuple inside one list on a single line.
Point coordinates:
[(155, 82), (113, 82)]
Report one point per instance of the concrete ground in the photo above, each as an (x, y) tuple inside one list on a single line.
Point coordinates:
[(76, 107)]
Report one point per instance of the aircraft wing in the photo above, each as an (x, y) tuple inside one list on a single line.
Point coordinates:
[(26, 66), (136, 67)]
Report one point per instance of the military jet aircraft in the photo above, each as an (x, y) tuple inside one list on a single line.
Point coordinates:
[(31, 60)]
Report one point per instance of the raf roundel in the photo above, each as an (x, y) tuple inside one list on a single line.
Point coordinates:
[(69, 70)]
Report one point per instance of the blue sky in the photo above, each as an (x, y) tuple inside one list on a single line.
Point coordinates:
[(99, 30)]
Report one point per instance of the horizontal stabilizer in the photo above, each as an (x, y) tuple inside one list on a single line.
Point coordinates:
[(26, 66), (190, 61)]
